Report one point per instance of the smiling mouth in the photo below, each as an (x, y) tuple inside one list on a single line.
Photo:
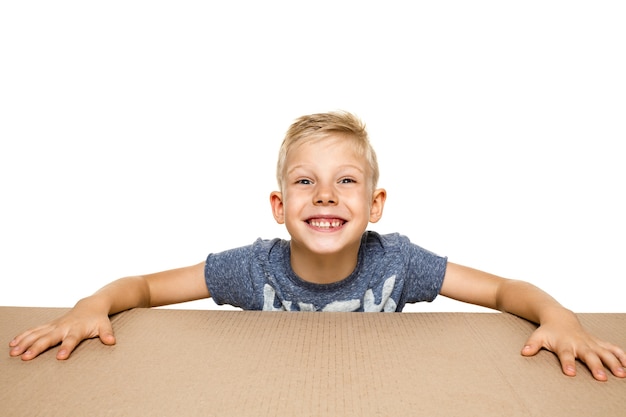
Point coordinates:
[(326, 223)]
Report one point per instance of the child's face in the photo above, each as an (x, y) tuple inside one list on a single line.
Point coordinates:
[(327, 199)]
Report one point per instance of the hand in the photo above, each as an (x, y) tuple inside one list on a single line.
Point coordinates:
[(569, 341), (80, 323)]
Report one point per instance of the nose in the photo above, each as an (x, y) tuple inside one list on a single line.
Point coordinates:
[(325, 196)]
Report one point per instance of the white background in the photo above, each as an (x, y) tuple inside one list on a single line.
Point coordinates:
[(140, 136)]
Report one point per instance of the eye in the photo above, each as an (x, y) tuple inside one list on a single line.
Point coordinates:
[(347, 180), (304, 181)]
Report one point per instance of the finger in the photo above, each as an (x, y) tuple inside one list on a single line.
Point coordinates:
[(71, 341), (619, 371), (106, 335), (568, 362), (532, 345), (16, 350), (614, 365), (619, 353), (33, 348), (17, 340), (530, 349), (32, 343), (595, 365), (607, 357), (17, 345), (67, 347)]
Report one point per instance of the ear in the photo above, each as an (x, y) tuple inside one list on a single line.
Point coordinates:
[(378, 203), (278, 208)]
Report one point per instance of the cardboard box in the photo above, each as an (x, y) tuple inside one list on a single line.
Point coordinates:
[(232, 363)]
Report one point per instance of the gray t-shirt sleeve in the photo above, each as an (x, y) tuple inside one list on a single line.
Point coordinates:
[(228, 277), (418, 272), (425, 271)]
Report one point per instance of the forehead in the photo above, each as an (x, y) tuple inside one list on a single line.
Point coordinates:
[(333, 146)]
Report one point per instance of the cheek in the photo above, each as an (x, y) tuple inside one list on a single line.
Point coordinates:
[(291, 208), (359, 205)]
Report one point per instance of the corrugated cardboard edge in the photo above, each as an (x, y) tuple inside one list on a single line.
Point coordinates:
[(179, 362)]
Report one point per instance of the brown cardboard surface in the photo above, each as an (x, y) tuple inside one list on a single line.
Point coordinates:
[(232, 363)]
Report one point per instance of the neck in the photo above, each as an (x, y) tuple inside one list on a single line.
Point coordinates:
[(323, 268)]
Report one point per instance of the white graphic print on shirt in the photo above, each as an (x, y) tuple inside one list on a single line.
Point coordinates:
[(387, 304)]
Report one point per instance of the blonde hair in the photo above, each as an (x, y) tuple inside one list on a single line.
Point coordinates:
[(322, 125)]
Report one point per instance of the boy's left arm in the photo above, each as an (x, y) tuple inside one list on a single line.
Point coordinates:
[(559, 329)]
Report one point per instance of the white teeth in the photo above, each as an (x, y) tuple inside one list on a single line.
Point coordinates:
[(325, 224)]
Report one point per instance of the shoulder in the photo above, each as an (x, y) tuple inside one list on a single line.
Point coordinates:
[(394, 243), (260, 249), (264, 247), (385, 242)]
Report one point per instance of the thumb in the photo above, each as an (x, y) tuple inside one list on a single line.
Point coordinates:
[(105, 333), (532, 345)]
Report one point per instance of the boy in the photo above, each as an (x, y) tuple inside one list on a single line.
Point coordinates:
[(327, 176)]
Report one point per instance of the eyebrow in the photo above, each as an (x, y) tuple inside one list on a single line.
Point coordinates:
[(358, 168)]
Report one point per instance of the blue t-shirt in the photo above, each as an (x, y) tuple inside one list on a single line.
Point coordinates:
[(390, 272)]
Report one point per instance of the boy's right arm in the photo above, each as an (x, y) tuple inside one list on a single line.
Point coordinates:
[(90, 316)]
